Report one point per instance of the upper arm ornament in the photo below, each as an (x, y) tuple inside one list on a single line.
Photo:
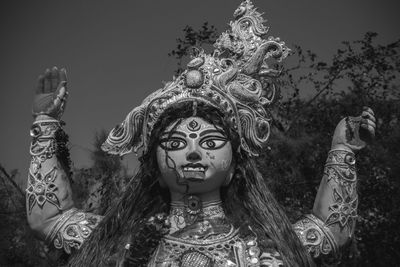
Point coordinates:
[(316, 237), (72, 229)]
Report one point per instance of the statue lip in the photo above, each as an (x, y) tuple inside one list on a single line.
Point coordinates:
[(194, 167), (194, 172)]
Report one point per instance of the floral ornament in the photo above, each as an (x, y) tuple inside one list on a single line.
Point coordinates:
[(343, 210), (72, 229), (340, 167), (41, 189), (43, 149), (316, 236), (235, 79)]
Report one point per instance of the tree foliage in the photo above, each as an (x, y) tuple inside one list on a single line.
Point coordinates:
[(99, 186), (193, 39), (360, 74), (19, 247)]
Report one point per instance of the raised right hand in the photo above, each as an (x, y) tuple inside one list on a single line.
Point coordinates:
[(51, 93), (352, 133)]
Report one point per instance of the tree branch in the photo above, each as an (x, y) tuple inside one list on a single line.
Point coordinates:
[(11, 180)]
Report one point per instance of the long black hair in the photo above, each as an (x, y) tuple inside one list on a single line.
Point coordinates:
[(246, 200)]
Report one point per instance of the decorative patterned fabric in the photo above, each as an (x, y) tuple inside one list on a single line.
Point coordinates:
[(224, 249)]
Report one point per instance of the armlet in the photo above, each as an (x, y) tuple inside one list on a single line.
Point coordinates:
[(72, 229), (317, 238)]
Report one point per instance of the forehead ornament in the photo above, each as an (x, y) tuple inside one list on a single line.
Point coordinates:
[(193, 125), (235, 79)]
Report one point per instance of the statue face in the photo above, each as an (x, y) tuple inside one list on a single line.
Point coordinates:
[(195, 153)]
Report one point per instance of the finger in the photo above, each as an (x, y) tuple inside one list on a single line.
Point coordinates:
[(61, 90), (47, 81), (54, 78), (367, 115), (59, 98), (63, 75), (369, 128), (369, 110), (40, 85), (367, 120), (64, 103), (368, 124), (372, 123), (60, 95)]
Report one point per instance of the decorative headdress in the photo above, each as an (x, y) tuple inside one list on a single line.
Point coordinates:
[(235, 79)]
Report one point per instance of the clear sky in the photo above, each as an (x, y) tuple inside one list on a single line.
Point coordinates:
[(116, 51)]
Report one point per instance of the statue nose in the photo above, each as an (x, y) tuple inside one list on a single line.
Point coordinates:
[(193, 156)]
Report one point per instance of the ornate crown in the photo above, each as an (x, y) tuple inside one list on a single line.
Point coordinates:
[(235, 79)]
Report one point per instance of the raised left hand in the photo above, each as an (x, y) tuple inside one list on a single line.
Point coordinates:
[(353, 133), (51, 94)]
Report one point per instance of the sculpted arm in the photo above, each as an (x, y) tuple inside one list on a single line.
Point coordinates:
[(332, 224), (50, 208)]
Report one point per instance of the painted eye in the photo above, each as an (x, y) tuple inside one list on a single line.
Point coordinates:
[(172, 144), (213, 142)]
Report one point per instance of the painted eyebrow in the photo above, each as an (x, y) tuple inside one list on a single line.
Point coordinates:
[(212, 131), (174, 132)]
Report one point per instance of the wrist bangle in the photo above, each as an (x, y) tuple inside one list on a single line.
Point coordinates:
[(44, 128), (340, 157), (343, 150), (47, 120)]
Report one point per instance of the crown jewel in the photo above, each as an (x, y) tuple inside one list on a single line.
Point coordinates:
[(235, 79)]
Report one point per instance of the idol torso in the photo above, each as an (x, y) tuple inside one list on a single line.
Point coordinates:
[(208, 239)]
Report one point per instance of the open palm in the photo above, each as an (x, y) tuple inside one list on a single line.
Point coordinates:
[(51, 93)]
